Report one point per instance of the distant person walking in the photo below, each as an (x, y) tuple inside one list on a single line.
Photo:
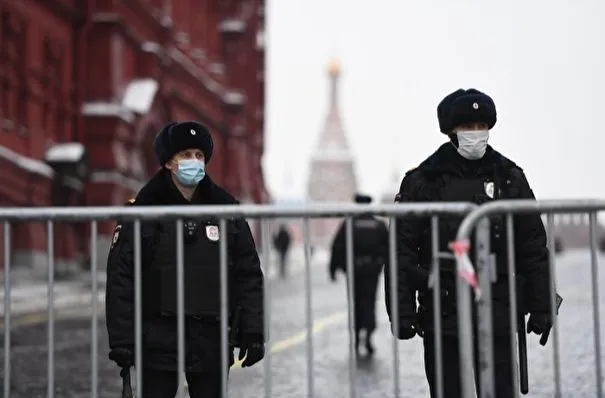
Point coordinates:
[(370, 253), (281, 242)]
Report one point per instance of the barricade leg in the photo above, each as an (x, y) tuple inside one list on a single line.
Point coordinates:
[(94, 327), (512, 294), (393, 273), (51, 309), (553, 306), (264, 231), (465, 337), (351, 303), (180, 304), (7, 309), (138, 310), (435, 276), (224, 306), (595, 302), (484, 312), (308, 308)]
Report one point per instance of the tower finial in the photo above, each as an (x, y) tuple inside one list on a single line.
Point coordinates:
[(334, 67), (334, 72)]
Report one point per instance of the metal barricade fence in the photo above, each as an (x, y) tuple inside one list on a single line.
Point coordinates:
[(137, 215), (479, 219)]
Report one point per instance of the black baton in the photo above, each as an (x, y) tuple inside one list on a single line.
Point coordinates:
[(523, 375), (522, 338), (126, 385)]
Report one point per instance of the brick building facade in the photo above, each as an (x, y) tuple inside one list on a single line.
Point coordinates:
[(108, 74)]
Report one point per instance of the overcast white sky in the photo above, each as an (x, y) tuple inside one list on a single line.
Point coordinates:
[(542, 61)]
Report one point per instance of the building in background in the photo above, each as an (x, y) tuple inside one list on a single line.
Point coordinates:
[(85, 86), (332, 170)]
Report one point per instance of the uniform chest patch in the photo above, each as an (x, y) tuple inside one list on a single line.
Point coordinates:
[(212, 232), (116, 234), (489, 189)]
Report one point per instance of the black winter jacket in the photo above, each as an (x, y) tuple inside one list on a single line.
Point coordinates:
[(159, 333), (370, 239), (425, 184)]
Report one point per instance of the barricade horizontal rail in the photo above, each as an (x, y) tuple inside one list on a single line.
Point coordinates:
[(481, 279), (220, 211), (526, 206)]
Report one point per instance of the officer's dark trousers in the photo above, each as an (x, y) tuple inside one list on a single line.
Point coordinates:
[(451, 366), (164, 384), (365, 285)]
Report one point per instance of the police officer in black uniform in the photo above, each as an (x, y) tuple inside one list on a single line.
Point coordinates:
[(370, 252), (183, 150), (467, 169)]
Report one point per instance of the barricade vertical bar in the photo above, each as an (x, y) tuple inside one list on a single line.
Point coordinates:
[(393, 271), (180, 306), (224, 305), (51, 309), (484, 311), (7, 309), (553, 305), (512, 293), (436, 279), (595, 302), (138, 310), (350, 304), (465, 335), (94, 327), (308, 308), (264, 232)]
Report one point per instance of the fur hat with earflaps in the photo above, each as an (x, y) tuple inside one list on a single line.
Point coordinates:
[(178, 136)]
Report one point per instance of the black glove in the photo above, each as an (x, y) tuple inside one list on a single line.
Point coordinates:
[(407, 329), (253, 348), (123, 356), (333, 276), (539, 323)]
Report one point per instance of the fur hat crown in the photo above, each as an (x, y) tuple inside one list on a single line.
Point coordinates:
[(464, 107)]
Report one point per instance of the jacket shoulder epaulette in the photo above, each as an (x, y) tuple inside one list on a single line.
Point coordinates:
[(118, 228)]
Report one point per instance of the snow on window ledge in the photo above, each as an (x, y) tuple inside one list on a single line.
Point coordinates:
[(139, 95), (65, 152), (26, 163), (104, 109), (234, 97), (232, 26)]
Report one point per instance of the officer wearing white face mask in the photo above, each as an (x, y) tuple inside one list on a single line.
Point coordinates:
[(467, 169), (183, 150)]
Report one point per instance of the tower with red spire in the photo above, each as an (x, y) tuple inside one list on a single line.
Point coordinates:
[(332, 171)]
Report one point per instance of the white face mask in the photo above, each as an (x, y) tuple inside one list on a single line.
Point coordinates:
[(472, 144)]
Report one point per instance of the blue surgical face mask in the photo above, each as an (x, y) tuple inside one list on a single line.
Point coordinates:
[(190, 172)]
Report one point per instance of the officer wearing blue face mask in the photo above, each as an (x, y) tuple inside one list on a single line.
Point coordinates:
[(183, 150), (467, 169)]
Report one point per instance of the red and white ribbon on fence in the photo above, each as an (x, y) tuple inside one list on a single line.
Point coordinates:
[(464, 266)]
